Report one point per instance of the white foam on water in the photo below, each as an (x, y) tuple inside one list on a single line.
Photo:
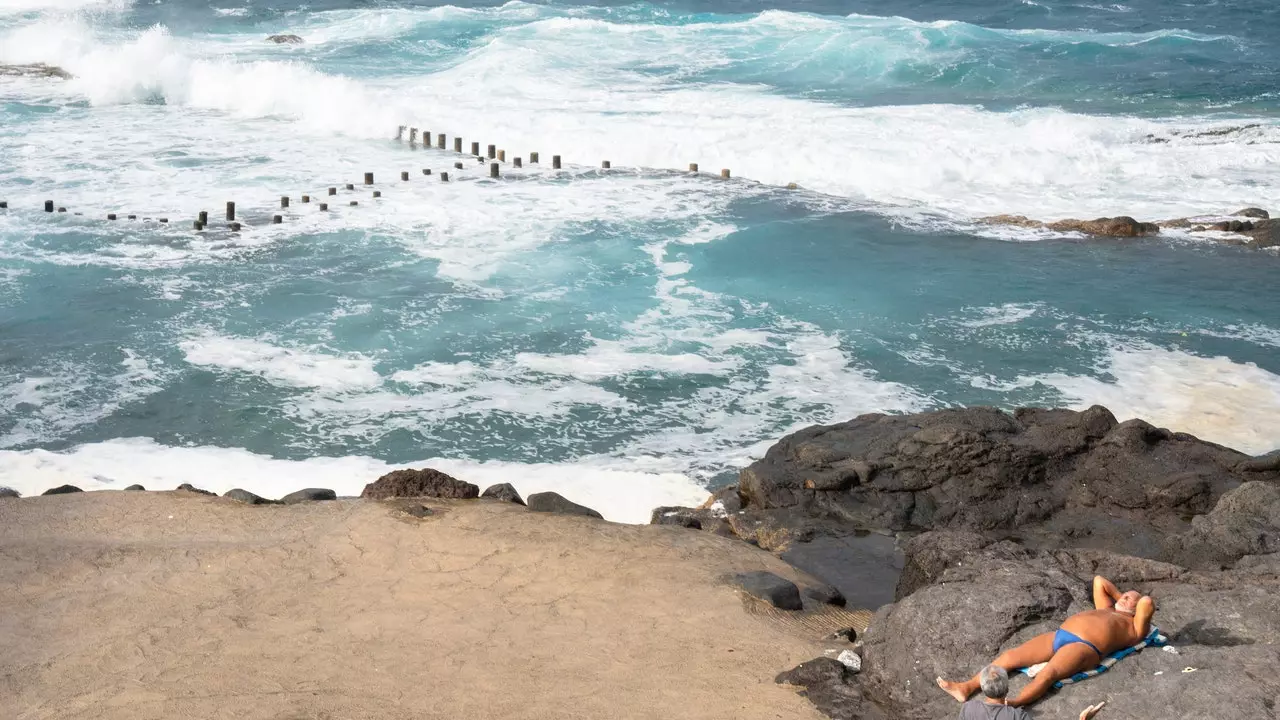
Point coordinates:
[(285, 366), (1216, 399), (627, 497), (1007, 314)]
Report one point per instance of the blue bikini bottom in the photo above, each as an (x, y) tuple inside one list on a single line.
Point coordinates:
[(1063, 638)]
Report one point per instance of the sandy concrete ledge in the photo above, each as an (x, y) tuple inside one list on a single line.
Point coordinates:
[(172, 605)]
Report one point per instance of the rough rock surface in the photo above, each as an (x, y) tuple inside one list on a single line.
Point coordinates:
[(779, 592), (285, 39), (1258, 230), (309, 495), (135, 488), (1121, 226), (419, 483), (1051, 478), (62, 490), (188, 487), (554, 503), (504, 492), (245, 497), (6, 492), (829, 686), (983, 600), (35, 70)]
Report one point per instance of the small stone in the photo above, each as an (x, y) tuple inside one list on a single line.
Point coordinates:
[(6, 492), (135, 488), (851, 660), (554, 503), (309, 495), (245, 497), (504, 492), (777, 591), (62, 490), (845, 634), (193, 489)]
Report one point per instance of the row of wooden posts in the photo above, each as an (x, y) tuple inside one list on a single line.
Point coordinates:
[(493, 153)]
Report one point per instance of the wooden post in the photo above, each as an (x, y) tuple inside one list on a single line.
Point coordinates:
[(475, 148), (231, 211), (605, 165), (400, 133), (440, 138), (351, 186), (204, 217), (197, 225), (693, 167), (235, 227), (333, 191), (48, 206), (502, 156), (413, 135), (368, 178), (111, 216), (493, 170), (4, 204), (164, 220), (133, 217), (517, 162), (277, 219), (404, 175), (555, 162), (457, 166), (284, 201), (457, 145), (493, 152), (724, 174), (444, 177), (324, 207), (62, 209), (354, 203), (533, 158), (306, 198), (426, 171), (377, 193)]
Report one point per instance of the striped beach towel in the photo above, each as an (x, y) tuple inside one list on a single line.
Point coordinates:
[(1153, 639)]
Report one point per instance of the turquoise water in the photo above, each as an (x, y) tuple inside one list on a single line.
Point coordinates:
[(626, 337)]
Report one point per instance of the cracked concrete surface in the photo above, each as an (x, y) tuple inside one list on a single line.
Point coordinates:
[(172, 605)]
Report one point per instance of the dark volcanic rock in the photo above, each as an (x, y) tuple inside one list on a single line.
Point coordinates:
[(823, 595), (1056, 476), (193, 489), (779, 592), (245, 496), (6, 492), (285, 39), (309, 495), (1265, 233), (1246, 521), (829, 685), (419, 483), (135, 488), (553, 503), (988, 599), (1122, 226), (62, 490), (504, 492), (681, 516)]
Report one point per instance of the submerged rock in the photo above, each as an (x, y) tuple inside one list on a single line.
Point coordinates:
[(419, 483), (555, 503), (35, 70), (285, 39)]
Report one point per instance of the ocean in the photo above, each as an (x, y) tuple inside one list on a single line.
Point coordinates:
[(627, 337)]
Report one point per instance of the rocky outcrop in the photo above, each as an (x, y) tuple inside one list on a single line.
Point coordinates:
[(62, 490), (1052, 478), (309, 495), (1257, 230), (285, 39), (550, 502), (504, 492), (980, 600), (1121, 226), (35, 70), (419, 483)]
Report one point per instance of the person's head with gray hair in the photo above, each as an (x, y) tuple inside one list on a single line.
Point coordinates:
[(994, 682)]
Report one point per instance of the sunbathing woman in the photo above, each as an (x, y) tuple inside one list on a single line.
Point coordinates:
[(1120, 620)]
